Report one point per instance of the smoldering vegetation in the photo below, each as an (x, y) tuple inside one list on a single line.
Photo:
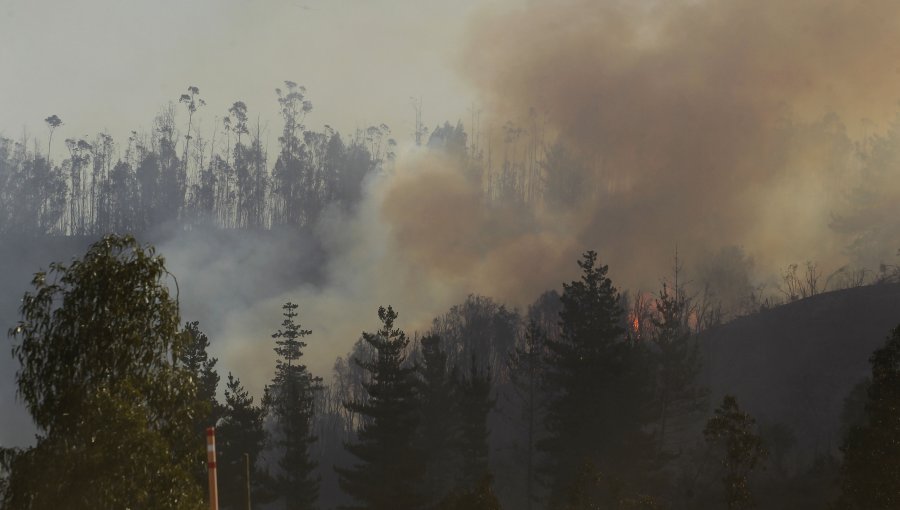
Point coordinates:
[(731, 158)]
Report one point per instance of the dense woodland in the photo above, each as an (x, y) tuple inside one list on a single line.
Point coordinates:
[(587, 399), (175, 175), (565, 407)]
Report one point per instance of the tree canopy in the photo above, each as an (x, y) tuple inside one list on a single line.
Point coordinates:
[(99, 346)]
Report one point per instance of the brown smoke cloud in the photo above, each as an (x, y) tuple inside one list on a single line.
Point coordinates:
[(702, 124), (698, 123)]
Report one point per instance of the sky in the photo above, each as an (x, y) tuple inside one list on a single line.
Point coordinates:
[(110, 65)]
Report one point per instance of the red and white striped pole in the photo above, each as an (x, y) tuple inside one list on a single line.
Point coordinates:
[(211, 465)]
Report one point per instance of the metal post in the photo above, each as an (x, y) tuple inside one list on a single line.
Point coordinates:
[(247, 479), (211, 465)]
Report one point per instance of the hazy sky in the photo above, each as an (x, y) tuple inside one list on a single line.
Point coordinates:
[(111, 64)]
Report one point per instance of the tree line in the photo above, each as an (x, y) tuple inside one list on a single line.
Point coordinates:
[(592, 414), (228, 178), (174, 174)]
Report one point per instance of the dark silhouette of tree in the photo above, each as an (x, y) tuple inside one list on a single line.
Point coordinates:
[(475, 403), (734, 430), (99, 346), (526, 369), (193, 102), (478, 327), (439, 424), (480, 497), (678, 392), (202, 368), (290, 398), (291, 180), (240, 431), (154, 183), (53, 122), (589, 490), (389, 470), (600, 385), (870, 472)]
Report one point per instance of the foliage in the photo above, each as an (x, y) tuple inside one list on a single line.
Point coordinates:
[(99, 346), (479, 497), (678, 363), (600, 383), (291, 398), (526, 369), (870, 472), (475, 402), (744, 451), (439, 423), (240, 432), (389, 470)]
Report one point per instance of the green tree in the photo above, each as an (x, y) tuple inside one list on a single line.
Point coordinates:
[(202, 368), (870, 472), (240, 432), (743, 450), (291, 398), (390, 467), (600, 384), (99, 345)]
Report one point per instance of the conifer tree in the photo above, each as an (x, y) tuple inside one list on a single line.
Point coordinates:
[(678, 363), (240, 432), (870, 473), (600, 385), (389, 469), (202, 368), (439, 422), (475, 403), (290, 399), (526, 367)]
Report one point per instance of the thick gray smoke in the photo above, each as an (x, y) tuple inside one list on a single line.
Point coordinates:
[(762, 124)]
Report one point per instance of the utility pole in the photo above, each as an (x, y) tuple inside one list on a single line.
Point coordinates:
[(211, 467), (247, 480)]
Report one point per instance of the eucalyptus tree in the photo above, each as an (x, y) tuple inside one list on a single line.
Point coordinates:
[(99, 346)]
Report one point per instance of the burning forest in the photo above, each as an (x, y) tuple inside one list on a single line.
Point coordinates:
[(402, 255)]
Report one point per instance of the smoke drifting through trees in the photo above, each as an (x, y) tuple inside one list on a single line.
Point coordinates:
[(610, 125), (761, 124)]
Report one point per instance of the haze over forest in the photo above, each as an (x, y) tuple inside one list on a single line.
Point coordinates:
[(344, 155)]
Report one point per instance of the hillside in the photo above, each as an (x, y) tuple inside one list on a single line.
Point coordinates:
[(795, 364)]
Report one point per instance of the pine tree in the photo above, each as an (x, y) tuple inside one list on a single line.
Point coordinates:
[(870, 473), (526, 367), (240, 432), (475, 403), (439, 422), (389, 469), (677, 362), (290, 398), (600, 385), (202, 368)]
